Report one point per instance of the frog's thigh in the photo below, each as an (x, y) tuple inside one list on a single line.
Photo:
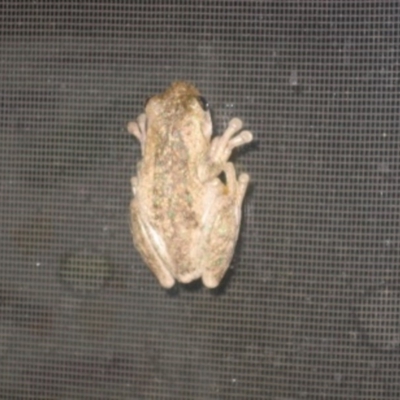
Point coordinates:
[(222, 239), (144, 244)]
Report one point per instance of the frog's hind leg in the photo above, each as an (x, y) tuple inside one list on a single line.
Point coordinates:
[(236, 187), (145, 239), (225, 228)]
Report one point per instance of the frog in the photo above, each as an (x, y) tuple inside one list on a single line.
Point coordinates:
[(187, 198)]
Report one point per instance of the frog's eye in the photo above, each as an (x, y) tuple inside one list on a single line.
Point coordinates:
[(204, 103)]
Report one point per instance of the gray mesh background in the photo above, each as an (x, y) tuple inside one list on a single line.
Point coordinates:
[(311, 306)]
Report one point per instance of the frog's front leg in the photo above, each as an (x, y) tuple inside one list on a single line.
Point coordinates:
[(219, 243), (221, 149), (138, 129)]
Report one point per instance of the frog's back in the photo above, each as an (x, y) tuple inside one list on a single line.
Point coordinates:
[(174, 137), (174, 187), (169, 193)]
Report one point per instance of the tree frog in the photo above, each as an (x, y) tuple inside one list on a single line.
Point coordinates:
[(186, 209)]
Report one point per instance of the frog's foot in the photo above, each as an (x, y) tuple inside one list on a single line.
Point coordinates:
[(222, 146), (138, 129)]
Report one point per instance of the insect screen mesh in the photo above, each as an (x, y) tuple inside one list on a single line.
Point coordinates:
[(310, 308)]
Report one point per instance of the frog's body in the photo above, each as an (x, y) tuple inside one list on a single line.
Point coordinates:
[(185, 220)]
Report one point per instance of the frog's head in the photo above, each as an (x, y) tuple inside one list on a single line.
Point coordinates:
[(181, 108)]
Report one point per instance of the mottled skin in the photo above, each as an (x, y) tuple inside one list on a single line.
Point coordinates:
[(185, 220)]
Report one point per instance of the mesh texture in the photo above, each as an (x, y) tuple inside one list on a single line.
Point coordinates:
[(311, 306)]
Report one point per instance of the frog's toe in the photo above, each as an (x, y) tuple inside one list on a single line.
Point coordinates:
[(243, 182), (210, 281)]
